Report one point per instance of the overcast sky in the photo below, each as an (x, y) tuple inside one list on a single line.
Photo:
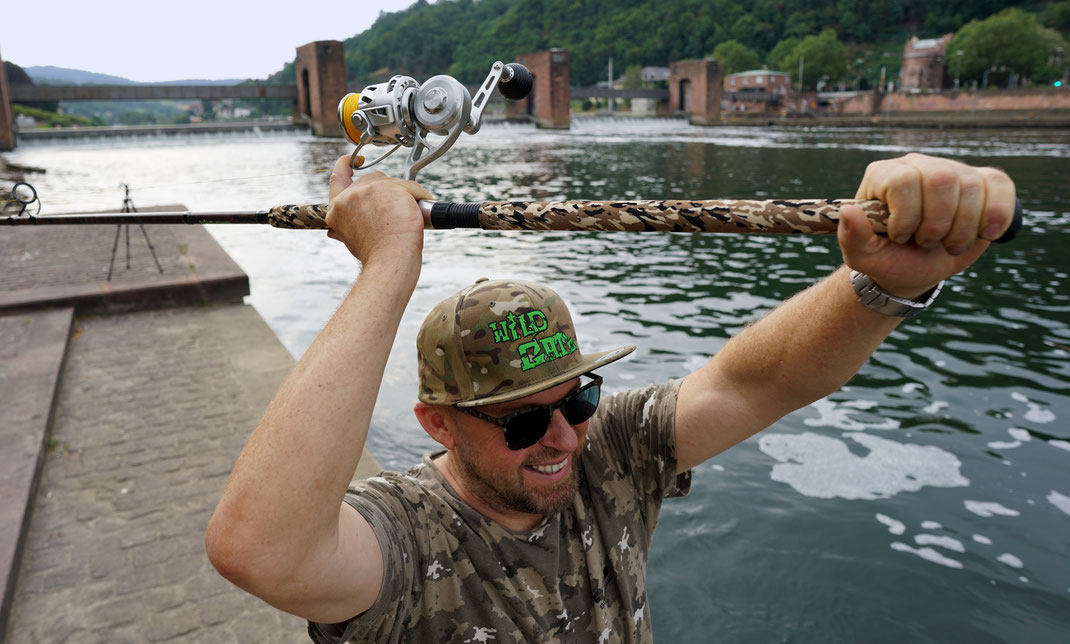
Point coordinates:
[(187, 39)]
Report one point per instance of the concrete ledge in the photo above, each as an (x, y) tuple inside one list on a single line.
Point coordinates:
[(68, 266), (32, 350)]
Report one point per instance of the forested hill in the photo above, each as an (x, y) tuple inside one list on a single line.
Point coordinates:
[(463, 37)]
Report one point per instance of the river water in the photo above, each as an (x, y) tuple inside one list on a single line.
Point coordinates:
[(929, 500)]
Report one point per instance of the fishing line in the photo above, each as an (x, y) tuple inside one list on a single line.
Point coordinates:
[(67, 195)]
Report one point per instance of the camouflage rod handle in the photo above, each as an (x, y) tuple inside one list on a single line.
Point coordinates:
[(810, 216)]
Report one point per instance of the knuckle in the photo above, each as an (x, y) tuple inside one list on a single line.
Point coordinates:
[(942, 179), (972, 187)]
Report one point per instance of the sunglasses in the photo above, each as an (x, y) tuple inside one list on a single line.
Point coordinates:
[(527, 427)]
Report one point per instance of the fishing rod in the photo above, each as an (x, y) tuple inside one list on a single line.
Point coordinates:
[(429, 118), (775, 216)]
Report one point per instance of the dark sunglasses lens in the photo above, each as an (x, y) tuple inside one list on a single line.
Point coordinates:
[(582, 406), (526, 429)]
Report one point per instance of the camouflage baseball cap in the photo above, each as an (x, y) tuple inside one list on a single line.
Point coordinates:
[(500, 340)]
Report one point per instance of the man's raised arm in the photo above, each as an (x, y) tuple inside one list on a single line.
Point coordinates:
[(942, 213), (281, 530)]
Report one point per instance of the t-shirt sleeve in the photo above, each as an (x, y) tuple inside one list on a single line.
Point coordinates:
[(638, 430), (393, 511)]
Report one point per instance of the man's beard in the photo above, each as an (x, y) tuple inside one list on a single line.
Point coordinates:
[(505, 492)]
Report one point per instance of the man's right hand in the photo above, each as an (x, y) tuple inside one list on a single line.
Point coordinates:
[(376, 215)]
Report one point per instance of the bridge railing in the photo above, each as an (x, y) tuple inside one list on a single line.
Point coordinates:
[(30, 93)]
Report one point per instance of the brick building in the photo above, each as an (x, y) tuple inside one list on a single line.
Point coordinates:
[(758, 90), (924, 64)]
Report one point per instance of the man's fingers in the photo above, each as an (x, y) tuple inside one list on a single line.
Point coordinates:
[(939, 202), (999, 204), (416, 190), (971, 203), (341, 177), (901, 189)]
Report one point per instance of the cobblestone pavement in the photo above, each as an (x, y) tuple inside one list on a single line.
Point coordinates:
[(152, 412)]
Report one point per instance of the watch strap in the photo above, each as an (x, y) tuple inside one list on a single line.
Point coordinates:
[(884, 302)]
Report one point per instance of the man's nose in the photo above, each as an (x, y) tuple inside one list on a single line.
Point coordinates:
[(560, 435)]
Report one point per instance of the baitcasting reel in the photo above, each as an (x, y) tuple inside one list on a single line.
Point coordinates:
[(401, 112)]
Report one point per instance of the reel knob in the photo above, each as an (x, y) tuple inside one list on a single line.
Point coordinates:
[(519, 83)]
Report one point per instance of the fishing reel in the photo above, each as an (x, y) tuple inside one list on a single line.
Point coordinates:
[(401, 112)]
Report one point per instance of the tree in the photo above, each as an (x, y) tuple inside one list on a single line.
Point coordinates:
[(633, 77), (824, 59), (780, 58), (1009, 42), (1057, 15), (735, 57)]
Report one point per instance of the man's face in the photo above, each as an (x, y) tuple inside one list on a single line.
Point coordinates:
[(540, 479)]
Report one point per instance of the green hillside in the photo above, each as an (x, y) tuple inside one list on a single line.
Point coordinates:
[(462, 37)]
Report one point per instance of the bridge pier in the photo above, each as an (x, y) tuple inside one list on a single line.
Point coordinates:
[(321, 83), (7, 114), (548, 103), (695, 90)]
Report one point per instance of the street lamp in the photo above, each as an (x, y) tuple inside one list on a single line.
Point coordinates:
[(958, 66)]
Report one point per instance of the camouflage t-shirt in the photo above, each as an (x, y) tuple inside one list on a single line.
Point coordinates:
[(452, 575)]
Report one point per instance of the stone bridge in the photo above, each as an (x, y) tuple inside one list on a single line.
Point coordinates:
[(694, 91)]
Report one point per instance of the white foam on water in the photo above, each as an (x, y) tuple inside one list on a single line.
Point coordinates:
[(719, 468), (1004, 445), (1060, 501), (939, 540), (980, 538), (911, 387), (833, 414), (1010, 560), (930, 525), (989, 509), (895, 527), (928, 554), (935, 406), (1055, 442), (1036, 413), (1039, 415), (823, 467), (1019, 434)]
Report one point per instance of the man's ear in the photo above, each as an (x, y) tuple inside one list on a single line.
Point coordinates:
[(437, 421)]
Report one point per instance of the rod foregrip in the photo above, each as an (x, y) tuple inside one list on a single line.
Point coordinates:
[(308, 216), (781, 216)]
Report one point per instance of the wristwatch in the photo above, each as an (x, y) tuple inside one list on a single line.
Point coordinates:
[(884, 302)]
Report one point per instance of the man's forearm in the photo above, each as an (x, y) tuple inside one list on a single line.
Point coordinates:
[(287, 486), (801, 351), (809, 346)]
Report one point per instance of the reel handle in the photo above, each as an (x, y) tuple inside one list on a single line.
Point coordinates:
[(516, 83)]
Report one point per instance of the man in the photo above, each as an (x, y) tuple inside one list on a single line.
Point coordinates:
[(534, 523)]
